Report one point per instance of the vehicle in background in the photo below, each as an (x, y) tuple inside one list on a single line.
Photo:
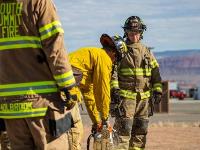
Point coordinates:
[(177, 94)]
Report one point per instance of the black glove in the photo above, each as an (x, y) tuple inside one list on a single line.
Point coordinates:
[(96, 127), (116, 108), (157, 96), (66, 93), (105, 122), (115, 96), (70, 99)]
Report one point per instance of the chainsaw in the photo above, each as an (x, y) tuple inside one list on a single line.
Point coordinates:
[(105, 139)]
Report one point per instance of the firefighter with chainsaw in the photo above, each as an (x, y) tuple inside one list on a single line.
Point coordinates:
[(136, 80), (95, 66), (34, 70)]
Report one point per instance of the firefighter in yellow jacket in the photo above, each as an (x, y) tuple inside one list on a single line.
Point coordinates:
[(95, 64), (137, 80), (34, 69)]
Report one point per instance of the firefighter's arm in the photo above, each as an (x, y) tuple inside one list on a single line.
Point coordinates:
[(156, 77), (90, 104), (156, 80), (52, 40), (114, 84), (101, 80)]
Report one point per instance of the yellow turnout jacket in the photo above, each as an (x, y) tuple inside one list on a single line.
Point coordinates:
[(96, 67)]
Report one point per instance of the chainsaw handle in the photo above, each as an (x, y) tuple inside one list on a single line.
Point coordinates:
[(88, 140)]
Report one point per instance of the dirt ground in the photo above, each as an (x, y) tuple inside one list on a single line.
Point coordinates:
[(168, 136), (177, 130), (174, 136)]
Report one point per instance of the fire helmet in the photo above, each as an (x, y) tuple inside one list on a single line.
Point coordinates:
[(115, 43), (134, 24)]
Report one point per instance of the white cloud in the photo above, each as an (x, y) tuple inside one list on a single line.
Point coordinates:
[(172, 24)]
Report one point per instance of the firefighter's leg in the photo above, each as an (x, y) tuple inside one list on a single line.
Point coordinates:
[(19, 133), (123, 124), (140, 126), (5, 142), (136, 148), (123, 127), (75, 133), (33, 133)]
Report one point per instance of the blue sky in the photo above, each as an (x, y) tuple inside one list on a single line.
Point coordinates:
[(171, 24)]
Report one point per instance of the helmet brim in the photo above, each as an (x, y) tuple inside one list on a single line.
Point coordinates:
[(106, 41)]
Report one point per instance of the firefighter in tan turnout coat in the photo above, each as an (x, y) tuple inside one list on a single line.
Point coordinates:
[(34, 68), (135, 80)]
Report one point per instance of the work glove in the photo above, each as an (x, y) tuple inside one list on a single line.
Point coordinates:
[(96, 127), (157, 96), (115, 96), (105, 122), (116, 108), (71, 96)]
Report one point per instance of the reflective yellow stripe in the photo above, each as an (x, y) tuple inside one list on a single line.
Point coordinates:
[(135, 148), (50, 29), (20, 42), (20, 110), (64, 75), (27, 84), (124, 46), (33, 113), (68, 83), (157, 87), (135, 71), (128, 94), (154, 63), (145, 95), (28, 92), (132, 95), (114, 84), (28, 88), (65, 80)]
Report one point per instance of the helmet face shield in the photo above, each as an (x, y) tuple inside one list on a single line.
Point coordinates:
[(116, 43), (120, 45)]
